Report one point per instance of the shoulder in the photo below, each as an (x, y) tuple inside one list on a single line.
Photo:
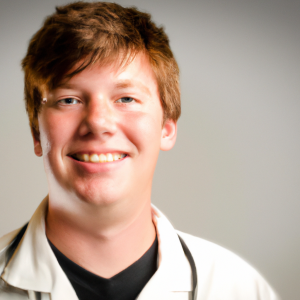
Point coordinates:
[(223, 273), (204, 250)]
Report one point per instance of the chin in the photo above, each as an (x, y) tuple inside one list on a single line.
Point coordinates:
[(97, 195)]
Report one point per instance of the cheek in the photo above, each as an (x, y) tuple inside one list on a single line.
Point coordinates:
[(143, 130), (55, 130)]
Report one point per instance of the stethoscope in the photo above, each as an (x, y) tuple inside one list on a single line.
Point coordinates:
[(186, 251), (189, 256)]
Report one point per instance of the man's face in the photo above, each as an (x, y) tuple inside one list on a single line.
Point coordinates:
[(104, 114)]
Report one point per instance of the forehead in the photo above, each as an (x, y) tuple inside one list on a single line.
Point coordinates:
[(137, 73)]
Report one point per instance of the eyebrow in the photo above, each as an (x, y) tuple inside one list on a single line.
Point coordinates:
[(123, 84), (66, 85)]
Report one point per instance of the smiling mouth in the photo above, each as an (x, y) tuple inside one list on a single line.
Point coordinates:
[(101, 158)]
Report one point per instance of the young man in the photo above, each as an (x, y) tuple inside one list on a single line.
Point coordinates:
[(102, 95)]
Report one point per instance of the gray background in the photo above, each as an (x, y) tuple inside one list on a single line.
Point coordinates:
[(233, 177)]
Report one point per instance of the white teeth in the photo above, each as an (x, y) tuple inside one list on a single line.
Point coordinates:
[(94, 158), (109, 157), (102, 158), (117, 156), (85, 157)]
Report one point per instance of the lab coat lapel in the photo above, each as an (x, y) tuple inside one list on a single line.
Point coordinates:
[(33, 266), (173, 278)]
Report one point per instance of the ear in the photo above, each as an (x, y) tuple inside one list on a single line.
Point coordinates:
[(168, 135), (36, 142)]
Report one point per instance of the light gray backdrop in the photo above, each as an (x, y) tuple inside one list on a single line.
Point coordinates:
[(233, 177)]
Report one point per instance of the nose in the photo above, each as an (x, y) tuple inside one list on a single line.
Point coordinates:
[(99, 119)]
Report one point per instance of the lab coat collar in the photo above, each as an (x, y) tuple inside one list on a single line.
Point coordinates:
[(174, 271), (34, 266)]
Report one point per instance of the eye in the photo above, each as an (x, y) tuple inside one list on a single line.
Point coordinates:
[(69, 101), (125, 100)]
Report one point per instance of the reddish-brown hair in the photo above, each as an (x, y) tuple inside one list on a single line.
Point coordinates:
[(84, 33)]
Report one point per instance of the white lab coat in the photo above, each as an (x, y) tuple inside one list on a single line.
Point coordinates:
[(221, 274)]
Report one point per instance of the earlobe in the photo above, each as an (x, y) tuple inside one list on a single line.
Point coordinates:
[(38, 149), (36, 143), (168, 135)]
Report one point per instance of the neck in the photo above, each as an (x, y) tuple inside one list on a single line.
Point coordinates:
[(102, 239)]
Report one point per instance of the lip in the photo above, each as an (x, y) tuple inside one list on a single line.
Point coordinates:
[(90, 167)]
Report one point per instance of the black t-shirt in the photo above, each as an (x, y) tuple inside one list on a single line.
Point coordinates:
[(125, 285)]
